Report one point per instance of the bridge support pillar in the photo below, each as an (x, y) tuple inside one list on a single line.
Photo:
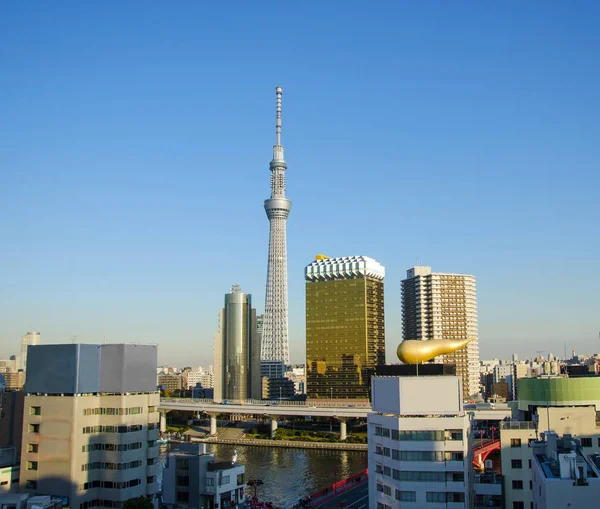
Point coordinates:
[(213, 424), (273, 426), (163, 421), (343, 429)]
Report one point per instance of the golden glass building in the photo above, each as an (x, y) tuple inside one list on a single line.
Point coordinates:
[(345, 330)]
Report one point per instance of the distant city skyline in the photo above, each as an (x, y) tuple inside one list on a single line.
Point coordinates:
[(134, 165)]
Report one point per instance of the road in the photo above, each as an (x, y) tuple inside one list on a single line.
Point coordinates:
[(356, 498)]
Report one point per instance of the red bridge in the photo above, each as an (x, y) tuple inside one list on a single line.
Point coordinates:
[(481, 452)]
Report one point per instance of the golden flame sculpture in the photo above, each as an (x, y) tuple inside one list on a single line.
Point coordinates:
[(414, 351)]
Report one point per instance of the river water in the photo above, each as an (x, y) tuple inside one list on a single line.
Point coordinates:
[(288, 474)]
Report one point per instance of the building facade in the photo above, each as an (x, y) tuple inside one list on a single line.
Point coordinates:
[(419, 448), (275, 343), (91, 424), (443, 306), (345, 329), (237, 350)]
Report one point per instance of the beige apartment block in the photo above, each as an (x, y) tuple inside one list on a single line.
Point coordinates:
[(444, 306), (98, 450)]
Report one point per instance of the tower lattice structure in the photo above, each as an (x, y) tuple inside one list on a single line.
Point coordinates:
[(275, 344)]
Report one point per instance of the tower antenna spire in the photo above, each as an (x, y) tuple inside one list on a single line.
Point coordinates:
[(279, 92)]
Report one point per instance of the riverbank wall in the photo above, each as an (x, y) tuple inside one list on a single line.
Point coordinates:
[(288, 444)]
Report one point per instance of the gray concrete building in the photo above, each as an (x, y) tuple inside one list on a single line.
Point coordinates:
[(193, 479), (237, 349), (90, 424)]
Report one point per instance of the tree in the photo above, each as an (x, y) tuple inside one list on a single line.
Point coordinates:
[(138, 503)]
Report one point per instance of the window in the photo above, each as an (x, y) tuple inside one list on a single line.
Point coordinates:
[(386, 451), (386, 433), (30, 485), (396, 435), (240, 479), (586, 442), (378, 431), (515, 442), (210, 481), (395, 454), (379, 450), (411, 476), (382, 506), (387, 471), (32, 465), (3, 483), (456, 435), (516, 464), (32, 448), (422, 435), (517, 485), (436, 496), (406, 496), (598, 442), (224, 480), (518, 504), (34, 428), (529, 463), (396, 474), (530, 485), (35, 410), (379, 469), (455, 497), (380, 487), (183, 480)]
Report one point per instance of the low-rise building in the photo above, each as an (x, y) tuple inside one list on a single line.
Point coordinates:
[(277, 388), (563, 475), (192, 479)]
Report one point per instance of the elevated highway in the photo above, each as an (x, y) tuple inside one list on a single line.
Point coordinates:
[(341, 410)]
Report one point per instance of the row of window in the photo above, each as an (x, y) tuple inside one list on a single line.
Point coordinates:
[(431, 496), (434, 436), (113, 485), (104, 465), (111, 447), (114, 411), (415, 476), (112, 429), (419, 455)]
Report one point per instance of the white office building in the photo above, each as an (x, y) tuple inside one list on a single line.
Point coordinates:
[(444, 306), (419, 444)]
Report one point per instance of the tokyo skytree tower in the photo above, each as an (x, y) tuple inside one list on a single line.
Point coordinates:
[(275, 345)]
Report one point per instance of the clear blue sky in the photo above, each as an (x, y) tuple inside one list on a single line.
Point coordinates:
[(135, 140)]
